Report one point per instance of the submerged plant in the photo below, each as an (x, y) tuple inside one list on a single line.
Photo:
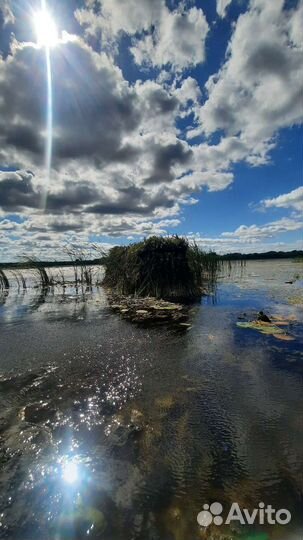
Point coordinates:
[(168, 267)]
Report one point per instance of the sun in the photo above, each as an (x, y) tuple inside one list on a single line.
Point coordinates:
[(46, 30)]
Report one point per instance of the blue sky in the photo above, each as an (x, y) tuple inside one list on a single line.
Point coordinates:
[(176, 117)]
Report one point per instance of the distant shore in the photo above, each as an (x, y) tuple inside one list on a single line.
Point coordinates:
[(295, 254)]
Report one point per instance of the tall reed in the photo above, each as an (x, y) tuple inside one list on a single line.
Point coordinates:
[(40, 270), (169, 267), (4, 282)]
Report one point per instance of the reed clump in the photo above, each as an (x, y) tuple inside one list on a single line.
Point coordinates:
[(161, 267)]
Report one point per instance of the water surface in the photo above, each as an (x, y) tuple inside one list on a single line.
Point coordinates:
[(110, 430)]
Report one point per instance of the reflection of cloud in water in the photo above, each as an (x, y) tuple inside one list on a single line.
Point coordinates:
[(137, 427)]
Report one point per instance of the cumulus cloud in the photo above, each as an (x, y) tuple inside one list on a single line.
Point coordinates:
[(109, 18), (256, 238), (293, 199), (163, 37), (254, 233), (178, 41), (110, 138), (17, 192), (189, 90), (94, 107), (234, 245), (7, 13), (165, 158), (116, 149), (222, 6), (125, 154), (258, 89)]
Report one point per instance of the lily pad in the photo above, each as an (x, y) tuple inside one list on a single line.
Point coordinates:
[(284, 337), (264, 328), (269, 329)]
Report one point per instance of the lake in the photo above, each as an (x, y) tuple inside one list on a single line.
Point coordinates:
[(110, 430)]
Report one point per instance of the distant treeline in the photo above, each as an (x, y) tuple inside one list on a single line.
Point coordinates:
[(295, 254), (51, 264), (263, 256)]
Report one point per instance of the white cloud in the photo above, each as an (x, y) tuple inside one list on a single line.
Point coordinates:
[(293, 199), (189, 90), (121, 166), (178, 41), (234, 245), (254, 233), (8, 15), (258, 90), (211, 179), (254, 238), (137, 167), (222, 6), (165, 38), (111, 17)]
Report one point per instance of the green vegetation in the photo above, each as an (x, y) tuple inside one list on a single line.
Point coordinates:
[(169, 268)]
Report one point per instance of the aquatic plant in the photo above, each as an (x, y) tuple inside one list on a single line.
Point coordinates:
[(35, 264), (4, 283), (22, 279), (162, 267), (267, 328), (83, 272)]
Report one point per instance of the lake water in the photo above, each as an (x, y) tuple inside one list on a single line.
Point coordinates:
[(113, 431)]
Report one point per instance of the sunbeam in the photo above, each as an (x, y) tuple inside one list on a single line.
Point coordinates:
[(49, 126), (47, 37)]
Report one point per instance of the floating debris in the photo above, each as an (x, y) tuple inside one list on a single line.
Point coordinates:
[(149, 309)]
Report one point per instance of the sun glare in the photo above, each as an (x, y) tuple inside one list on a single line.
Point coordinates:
[(46, 30), (70, 473)]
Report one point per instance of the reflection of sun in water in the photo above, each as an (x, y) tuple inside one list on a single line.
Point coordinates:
[(46, 30), (70, 472)]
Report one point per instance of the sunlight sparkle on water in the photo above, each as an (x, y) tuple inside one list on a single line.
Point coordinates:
[(70, 472)]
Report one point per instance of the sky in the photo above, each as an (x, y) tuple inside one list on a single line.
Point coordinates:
[(120, 119)]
